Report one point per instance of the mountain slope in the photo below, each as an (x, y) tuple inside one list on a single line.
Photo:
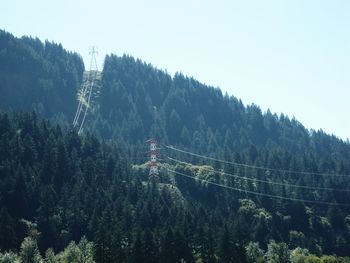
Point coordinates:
[(138, 101), (65, 186), (38, 76), (70, 185)]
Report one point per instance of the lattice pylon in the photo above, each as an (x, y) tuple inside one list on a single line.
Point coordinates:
[(153, 164)]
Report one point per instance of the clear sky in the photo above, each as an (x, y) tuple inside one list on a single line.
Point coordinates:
[(292, 56)]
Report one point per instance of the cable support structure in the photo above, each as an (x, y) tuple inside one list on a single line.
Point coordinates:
[(260, 194), (254, 166)]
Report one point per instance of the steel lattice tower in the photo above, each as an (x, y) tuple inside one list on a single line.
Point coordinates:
[(153, 171)]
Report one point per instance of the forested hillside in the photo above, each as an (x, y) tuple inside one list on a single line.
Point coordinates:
[(138, 101), (235, 185), (38, 76), (57, 187)]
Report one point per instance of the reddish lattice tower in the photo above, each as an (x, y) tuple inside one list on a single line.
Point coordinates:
[(153, 171)]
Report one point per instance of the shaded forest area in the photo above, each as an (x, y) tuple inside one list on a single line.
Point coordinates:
[(57, 187), (38, 76)]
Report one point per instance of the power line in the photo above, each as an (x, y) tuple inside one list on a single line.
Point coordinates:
[(88, 101), (92, 77), (85, 93), (265, 181), (81, 98), (254, 166), (77, 113), (258, 193)]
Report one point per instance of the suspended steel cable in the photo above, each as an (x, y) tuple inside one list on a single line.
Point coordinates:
[(76, 114), (254, 166), (265, 181), (81, 99), (88, 102), (258, 193), (84, 96)]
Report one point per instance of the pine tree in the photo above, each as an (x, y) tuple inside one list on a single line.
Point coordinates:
[(29, 252)]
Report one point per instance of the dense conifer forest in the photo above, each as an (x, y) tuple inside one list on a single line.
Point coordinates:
[(236, 184)]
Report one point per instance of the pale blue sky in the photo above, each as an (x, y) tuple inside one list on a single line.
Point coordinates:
[(290, 56)]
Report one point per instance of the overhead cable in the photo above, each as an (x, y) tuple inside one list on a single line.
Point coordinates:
[(258, 193), (266, 181), (254, 166)]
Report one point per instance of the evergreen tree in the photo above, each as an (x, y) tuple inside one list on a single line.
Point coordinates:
[(29, 252), (277, 253)]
